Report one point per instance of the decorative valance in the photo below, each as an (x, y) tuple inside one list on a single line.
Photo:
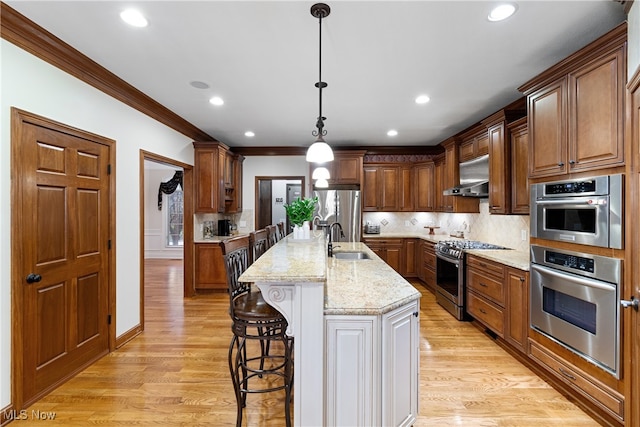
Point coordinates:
[(169, 187)]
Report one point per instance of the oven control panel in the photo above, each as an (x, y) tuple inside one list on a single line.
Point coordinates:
[(575, 187), (570, 261)]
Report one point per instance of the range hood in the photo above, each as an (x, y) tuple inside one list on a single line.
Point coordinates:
[(474, 179)]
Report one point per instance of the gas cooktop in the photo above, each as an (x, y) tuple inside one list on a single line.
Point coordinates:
[(455, 248)]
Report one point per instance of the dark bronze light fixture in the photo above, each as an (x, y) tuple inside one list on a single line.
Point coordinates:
[(320, 151)]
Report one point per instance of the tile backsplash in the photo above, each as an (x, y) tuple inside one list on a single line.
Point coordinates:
[(504, 230)]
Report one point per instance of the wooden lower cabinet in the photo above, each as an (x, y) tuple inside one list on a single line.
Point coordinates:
[(594, 391), (498, 297), (390, 250), (409, 266), (210, 273), (372, 366), (517, 294), (428, 265)]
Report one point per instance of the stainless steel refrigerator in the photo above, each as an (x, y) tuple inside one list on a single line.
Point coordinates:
[(342, 206)]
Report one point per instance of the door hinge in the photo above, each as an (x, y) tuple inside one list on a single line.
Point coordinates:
[(109, 244), (108, 319), (109, 169)]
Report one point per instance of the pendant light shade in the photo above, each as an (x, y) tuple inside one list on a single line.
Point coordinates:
[(322, 183), (320, 173), (320, 151)]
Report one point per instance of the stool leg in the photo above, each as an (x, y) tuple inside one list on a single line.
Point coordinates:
[(235, 365)]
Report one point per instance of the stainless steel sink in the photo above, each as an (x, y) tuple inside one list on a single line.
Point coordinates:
[(351, 255)]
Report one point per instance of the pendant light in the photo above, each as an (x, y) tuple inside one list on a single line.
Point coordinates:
[(320, 151)]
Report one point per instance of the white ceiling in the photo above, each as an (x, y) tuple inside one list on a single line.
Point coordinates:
[(377, 56)]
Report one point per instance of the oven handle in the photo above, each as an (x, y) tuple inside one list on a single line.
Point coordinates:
[(590, 201), (592, 283), (451, 260)]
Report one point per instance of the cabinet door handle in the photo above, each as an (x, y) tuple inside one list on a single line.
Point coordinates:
[(561, 164), (572, 162), (566, 374), (522, 279), (415, 314), (482, 284), (482, 311)]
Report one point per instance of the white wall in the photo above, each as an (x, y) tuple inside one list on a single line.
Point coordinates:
[(33, 85), (254, 166)]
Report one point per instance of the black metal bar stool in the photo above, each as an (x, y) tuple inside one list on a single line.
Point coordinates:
[(258, 244), (272, 231), (253, 320)]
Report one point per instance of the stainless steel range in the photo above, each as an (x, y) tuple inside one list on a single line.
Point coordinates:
[(450, 273)]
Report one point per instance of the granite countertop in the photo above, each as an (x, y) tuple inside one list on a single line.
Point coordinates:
[(364, 287), (510, 257), (290, 261)]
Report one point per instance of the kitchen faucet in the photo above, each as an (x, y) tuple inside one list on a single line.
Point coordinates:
[(330, 244)]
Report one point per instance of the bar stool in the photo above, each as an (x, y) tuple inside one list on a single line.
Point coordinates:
[(281, 233), (258, 244), (255, 320), (272, 231)]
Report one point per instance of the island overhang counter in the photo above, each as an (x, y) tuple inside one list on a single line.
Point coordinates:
[(355, 329)]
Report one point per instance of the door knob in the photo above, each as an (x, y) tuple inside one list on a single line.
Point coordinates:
[(633, 303), (33, 278)]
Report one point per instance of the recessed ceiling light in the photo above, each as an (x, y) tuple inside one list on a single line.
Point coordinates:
[(199, 85), (392, 132), (502, 12), (249, 134), (133, 17), (216, 100), (422, 99)]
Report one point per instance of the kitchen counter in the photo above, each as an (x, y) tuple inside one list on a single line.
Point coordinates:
[(364, 287), (510, 257), (298, 279)]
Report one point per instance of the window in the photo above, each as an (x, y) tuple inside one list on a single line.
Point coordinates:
[(175, 218)]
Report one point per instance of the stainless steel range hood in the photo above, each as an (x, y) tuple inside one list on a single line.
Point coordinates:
[(474, 179)]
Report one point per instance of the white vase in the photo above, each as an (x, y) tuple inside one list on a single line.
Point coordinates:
[(297, 232), (306, 230)]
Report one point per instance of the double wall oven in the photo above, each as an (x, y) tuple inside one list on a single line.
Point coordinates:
[(575, 296)]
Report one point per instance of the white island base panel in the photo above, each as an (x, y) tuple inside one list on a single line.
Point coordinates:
[(301, 305)]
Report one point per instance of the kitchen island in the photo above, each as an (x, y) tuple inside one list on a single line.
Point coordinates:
[(355, 324)]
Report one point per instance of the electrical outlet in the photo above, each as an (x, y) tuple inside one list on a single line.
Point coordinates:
[(523, 234)]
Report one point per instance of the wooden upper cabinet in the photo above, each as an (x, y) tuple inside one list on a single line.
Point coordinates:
[(217, 178), (475, 143), (450, 178), (424, 187), (438, 175), (406, 196), (345, 169), (519, 141), (499, 170), (576, 110), (381, 188), (209, 162), (596, 113)]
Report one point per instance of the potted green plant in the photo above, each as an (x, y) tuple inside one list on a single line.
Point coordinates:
[(300, 213)]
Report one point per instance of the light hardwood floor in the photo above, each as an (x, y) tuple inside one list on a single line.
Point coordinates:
[(176, 373)]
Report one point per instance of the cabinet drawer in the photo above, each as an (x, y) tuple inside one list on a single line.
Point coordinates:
[(429, 259), (595, 391), (489, 266), (486, 285), (486, 313)]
